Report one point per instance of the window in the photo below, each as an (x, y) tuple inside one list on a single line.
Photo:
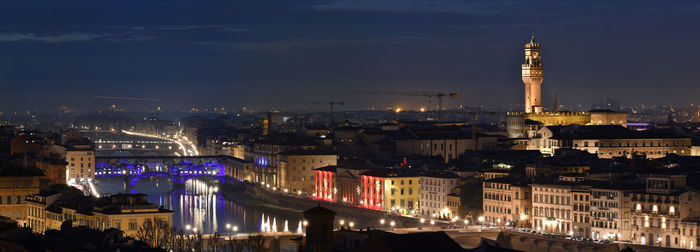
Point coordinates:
[(133, 225)]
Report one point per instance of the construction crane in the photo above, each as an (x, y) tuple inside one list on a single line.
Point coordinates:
[(439, 96), (331, 103)]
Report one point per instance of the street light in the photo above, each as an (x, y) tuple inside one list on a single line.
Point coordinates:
[(351, 224), (382, 222), (392, 224), (432, 225), (188, 227), (342, 222)]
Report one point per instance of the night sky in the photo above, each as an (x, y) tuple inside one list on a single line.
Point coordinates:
[(282, 54)]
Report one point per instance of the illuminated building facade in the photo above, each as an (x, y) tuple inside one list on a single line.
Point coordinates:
[(391, 190), (296, 168), (553, 208), (507, 202), (324, 184), (373, 191), (13, 191), (609, 141), (610, 212), (81, 163), (267, 160), (666, 213), (582, 213), (126, 212), (349, 181), (434, 188)]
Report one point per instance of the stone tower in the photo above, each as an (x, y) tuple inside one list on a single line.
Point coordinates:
[(532, 76)]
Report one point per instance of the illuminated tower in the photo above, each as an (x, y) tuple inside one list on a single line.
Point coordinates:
[(532, 77)]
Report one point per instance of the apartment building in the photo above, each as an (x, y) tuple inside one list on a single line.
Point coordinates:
[(15, 186), (296, 168), (392, 190), (81, 162), (553, 207), (666, 213), (610, 211), (507, 202), (581, 213), (434, 188)]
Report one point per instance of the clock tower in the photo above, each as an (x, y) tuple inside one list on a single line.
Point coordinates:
[(532, 77)]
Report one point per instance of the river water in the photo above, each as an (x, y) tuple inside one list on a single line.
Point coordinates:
[(199, 204)]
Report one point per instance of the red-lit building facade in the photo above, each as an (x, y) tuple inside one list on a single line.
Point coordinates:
[(373, 193), (324, 184)]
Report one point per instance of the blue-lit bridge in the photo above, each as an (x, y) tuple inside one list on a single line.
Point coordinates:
[(179, 169)]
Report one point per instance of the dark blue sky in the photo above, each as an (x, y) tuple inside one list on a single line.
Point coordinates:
[(262, 53)]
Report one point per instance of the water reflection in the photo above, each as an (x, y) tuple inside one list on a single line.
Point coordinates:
[(199, 204)]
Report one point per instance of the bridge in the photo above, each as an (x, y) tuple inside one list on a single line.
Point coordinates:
[(179, 169), (111, 143)]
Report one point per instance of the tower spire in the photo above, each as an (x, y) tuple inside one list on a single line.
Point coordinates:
[(532, 38), (556, 102)]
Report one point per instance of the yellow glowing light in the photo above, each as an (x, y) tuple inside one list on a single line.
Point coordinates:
[(422, 109), (397, 110)]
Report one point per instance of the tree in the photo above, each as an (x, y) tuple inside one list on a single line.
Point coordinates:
[(256, 243), (155, 232), (214, 242), (236, 245)]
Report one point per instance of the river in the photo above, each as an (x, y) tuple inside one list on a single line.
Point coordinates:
[(200, 204)]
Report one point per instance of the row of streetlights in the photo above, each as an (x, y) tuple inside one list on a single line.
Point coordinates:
[(350, 224), (391, 224), (232, 228)]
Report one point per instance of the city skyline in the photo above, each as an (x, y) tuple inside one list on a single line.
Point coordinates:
[(276, 54)]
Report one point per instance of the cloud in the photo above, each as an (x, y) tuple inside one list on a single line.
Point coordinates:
[(477, 7), (72, 37), (134, 38), (306, 43), (182, 27), (59, 38)]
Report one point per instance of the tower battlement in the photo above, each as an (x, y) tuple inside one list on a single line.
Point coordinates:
[(532, 46)]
